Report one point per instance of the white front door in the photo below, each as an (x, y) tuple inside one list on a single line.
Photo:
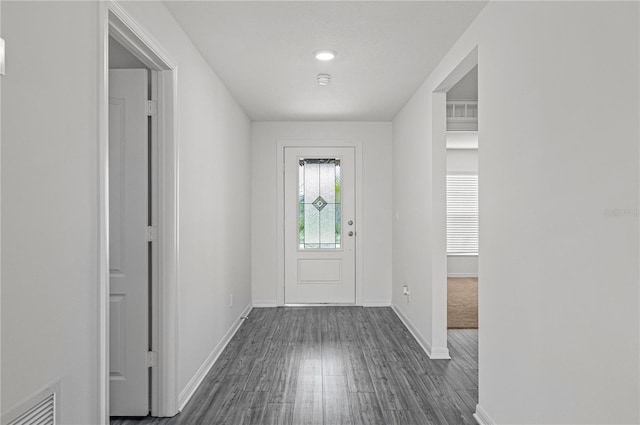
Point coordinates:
[(320, 228), (128, 246)]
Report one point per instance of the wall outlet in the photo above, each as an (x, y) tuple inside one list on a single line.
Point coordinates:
[(230, 300)]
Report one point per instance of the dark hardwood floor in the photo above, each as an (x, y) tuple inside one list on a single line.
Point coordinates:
[(332, 366)]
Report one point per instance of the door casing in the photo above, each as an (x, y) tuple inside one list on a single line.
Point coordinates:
[(114, 21), (359, 243)]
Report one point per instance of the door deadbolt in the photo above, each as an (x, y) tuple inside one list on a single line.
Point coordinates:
[(350, 222)]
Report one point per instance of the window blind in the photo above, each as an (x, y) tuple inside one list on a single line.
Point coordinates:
[(462, 214)]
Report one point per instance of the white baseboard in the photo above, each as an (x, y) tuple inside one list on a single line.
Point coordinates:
[(434, 353), (196, 380), (462, 274), (481, 417), (374, 303), (261, 304), (439, 353)]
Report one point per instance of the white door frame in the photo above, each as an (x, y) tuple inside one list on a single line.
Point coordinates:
[(115, 22), (3, 65), (439, 348), (310, 143)]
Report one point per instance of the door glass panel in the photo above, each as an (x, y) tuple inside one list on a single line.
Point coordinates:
[(319, 203)]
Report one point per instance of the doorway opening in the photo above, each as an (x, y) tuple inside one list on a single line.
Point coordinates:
[(138, 184), (462, 123), (132, 259), (462, 203), (462, 221)]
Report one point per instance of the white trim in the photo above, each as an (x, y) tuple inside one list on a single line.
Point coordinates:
[(481, 417), (462, 274), (439, 221), (155, 246), (103, 215), (434, 353), (320, 305), (3, 63), (196, 380), (166, 343), (374, 303), (135, 39), (439, 353), (305, 143), (264, 304), (115, 21)]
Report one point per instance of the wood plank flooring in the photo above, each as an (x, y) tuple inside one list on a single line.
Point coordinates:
[(332, 366)]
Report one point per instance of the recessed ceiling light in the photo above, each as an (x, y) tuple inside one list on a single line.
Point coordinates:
[(324, 55), (323, 79)]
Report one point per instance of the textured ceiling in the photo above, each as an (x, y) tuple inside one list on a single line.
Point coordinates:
[(262, 51)]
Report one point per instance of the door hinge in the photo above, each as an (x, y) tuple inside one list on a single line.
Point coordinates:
[(152, 359), (151, 234), (152, 108)]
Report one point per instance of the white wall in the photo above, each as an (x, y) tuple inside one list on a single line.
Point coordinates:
[(49, 205), (465, 161), (121, 58), (50, 202), (375, 228), (462, 266), (466, 88), (462, 160), (558, 295), (215, 195)]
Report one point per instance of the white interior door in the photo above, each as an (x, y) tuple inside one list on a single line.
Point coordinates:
[(320, 228), (128, 246)]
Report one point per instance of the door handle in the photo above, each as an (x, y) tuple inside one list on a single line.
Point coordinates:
[(350, 233)]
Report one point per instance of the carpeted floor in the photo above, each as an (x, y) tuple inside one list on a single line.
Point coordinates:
[(462, 303)]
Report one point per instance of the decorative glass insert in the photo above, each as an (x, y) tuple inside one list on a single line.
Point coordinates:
[(319, 203)]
